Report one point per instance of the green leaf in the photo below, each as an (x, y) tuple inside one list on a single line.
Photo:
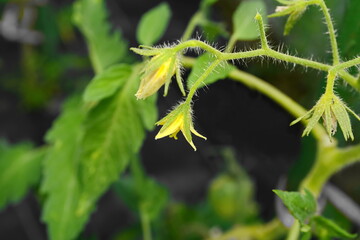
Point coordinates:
[(202, 63), (153, 24), (301, 206), (153, 199), (327, 229), (107, 83), (349, 30), (20, 169), (106, 47), (142, 193), (114, 131), (213, 29), (245, 27), (61, 184), (207, 3)]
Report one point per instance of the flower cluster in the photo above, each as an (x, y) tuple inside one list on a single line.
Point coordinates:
[(158, 71), (333, 112)]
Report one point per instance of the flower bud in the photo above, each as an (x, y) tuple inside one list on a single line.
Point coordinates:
[(164, 63)]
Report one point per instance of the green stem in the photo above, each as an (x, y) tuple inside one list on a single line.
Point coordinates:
[(145, 225), (231, 44), (270, 91), (200, 80), (301, 61), (331, 30), (197, 44), (294, 232), (330, 83), (329, 161), (194, 21), (342, 66), (271, 230), (263, 40)]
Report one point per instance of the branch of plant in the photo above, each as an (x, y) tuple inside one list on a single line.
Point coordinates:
[(272, 92), (271, 230), (276, 55)]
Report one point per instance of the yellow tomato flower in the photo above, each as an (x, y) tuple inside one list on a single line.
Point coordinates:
[(158, 71), (179, 119), (153, 80)]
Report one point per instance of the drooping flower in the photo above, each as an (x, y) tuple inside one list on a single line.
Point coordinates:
[(179, 119), (333, 112), (158, 71)]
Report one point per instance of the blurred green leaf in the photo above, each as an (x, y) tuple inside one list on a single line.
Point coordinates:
[(304, 162), (106, 47), (201, 64), (327, 229), (207, 3), (245, 26), (142, 193), (61, 184), (301, 206), (107, 83), (114, 132), (153, 24), (212, 30), (349, 30), (20, 167)]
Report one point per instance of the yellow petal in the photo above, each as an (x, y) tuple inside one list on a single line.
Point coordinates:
[(175, 126)]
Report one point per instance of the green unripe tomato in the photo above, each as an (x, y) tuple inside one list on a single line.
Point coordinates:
[(231, 198)]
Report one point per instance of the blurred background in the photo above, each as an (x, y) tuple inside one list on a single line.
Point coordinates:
[(44, 59)]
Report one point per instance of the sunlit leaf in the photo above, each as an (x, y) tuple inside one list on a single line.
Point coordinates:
[(153, 24), (301, 206), (114, 132), (107, 83), (61, 184), (106, 47)]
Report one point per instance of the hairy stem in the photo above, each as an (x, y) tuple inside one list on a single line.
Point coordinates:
[(331, 30), (200, 80), (270, 91), (348, 64)]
